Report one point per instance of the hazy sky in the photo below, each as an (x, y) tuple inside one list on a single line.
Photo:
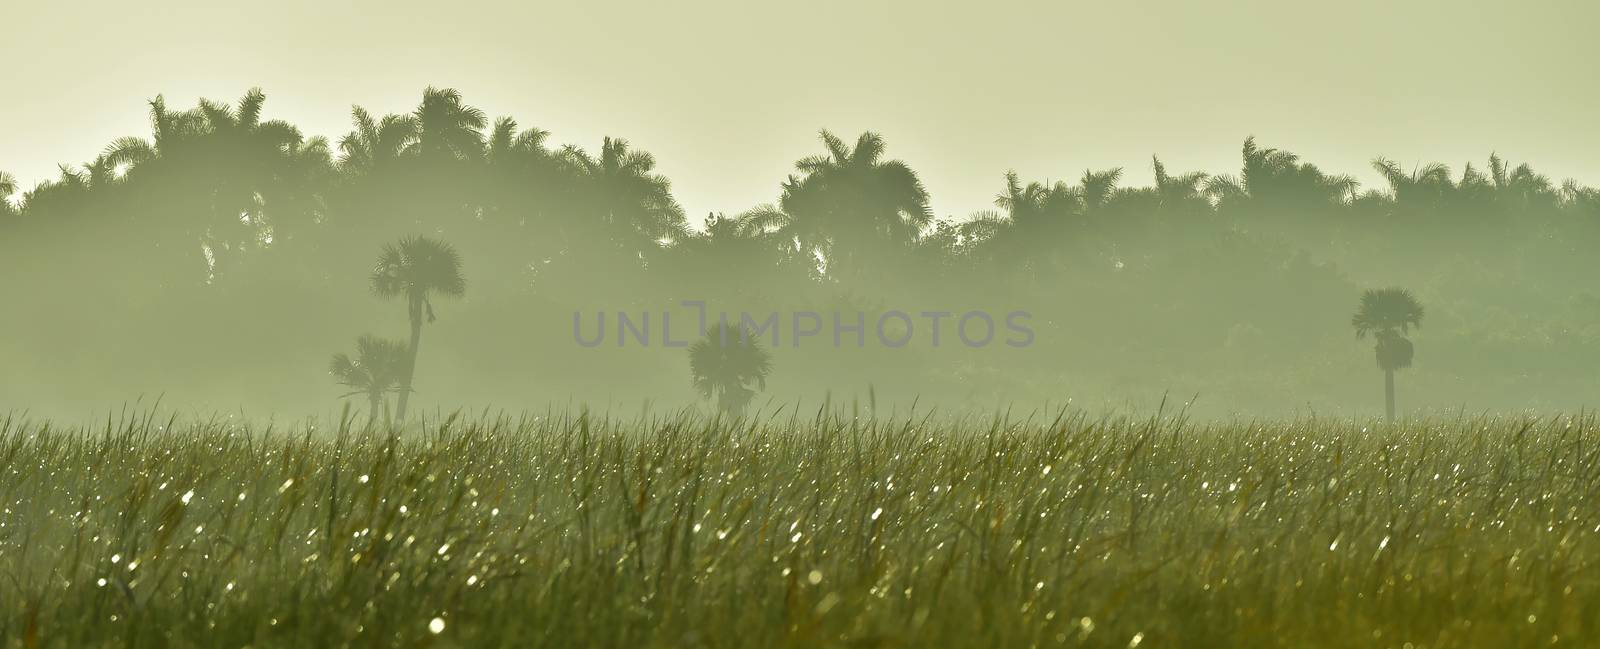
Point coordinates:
[(727, 94)]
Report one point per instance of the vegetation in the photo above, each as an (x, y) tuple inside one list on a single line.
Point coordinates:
[(414, 270), (801, 527), (377, 370), (725, 364), (1388, 314), (255, 232)]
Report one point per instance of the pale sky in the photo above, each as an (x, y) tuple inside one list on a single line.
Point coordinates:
[(729, 93)]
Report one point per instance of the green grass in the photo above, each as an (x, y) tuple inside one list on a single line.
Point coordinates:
[(802, 531)]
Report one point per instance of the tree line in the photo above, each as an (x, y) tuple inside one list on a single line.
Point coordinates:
[(219, 205)]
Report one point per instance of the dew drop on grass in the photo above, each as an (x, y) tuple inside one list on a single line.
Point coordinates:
[(436, 625)]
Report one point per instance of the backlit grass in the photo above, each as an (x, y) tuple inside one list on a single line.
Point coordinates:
[(801, 529)]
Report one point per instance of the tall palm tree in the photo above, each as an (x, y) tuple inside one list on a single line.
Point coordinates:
[(374, 372), (1388, 314), (849, 203), (416, 269), (724, 365)]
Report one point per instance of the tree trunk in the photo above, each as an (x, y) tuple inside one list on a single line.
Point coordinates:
[(373, 401), (1388, 393), (411, 363)]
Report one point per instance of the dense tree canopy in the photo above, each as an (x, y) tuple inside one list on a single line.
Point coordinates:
[(225, 240)]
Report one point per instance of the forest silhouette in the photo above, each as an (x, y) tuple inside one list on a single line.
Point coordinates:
[(223, 257)]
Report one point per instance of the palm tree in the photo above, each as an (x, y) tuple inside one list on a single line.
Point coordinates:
[(1184, 191), (632, 203), (1098, 188), (375, 144), (724, 365), (448, 129), (416, 269), (1423, 189), (1388, 314), (851, 200), (1520, 188), (375, 371), (223, 177), (1036, 216), (1278, 179)]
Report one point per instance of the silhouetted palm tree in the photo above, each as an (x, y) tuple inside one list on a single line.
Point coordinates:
[(447, 128), (1388, 314), (1097, 188), (374, 145), (1275, 178), (376, 370), (225, 177), (1035, 220), (416, 269), (632, 204), (724, 365), (1520, 188), (1184, 191), (1423, 191), (851, 203)]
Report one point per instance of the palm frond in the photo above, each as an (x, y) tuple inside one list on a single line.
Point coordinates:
[(250, 108)]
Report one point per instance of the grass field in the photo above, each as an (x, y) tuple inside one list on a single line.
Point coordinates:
[(802, 530)]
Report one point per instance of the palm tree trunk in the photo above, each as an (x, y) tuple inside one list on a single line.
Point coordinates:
[(1388, 393), (411, 363), (373, 401)]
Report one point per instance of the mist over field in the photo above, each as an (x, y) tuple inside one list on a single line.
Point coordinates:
[(720, 323), (1202, 195), (219, 261)]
